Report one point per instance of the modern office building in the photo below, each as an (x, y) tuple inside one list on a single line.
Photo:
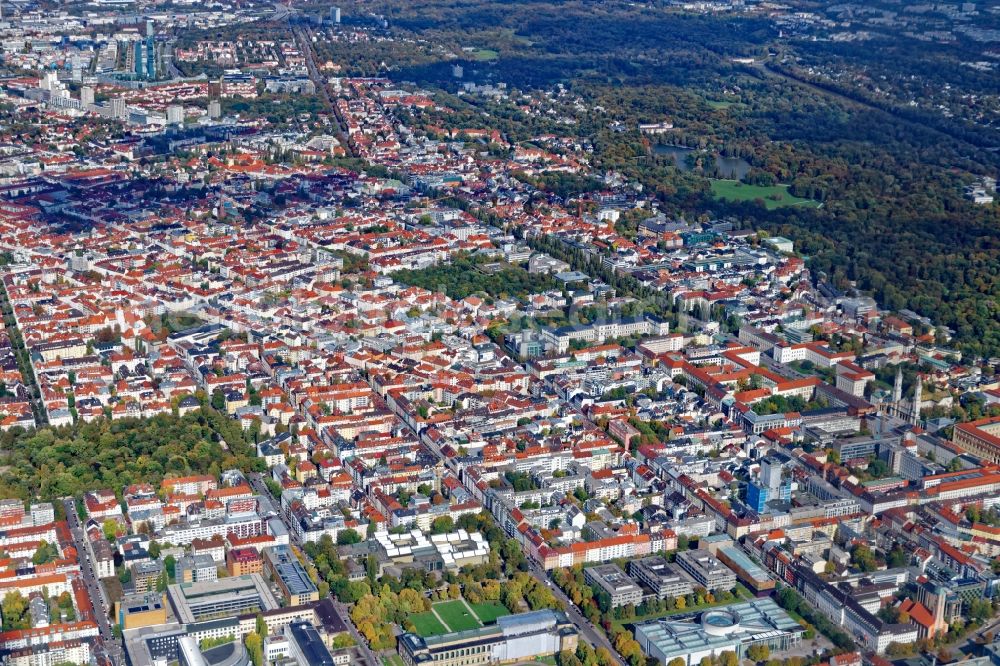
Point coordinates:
[(175, 114), (160, 645), (192, 602), (306, 646), (284, 568), (244, 561), (118, 108), (134, 59), (663, 579), (706, 570), (613, 581), (747, 571), (525, 636), (150, 58), (196, 569), (141, 610), (773, 483), (140, 58), (146, 575), (757, 496), (732, 628)]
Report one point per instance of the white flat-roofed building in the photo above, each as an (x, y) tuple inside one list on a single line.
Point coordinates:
[(612, 580), (226, 597), (706, 569), (659, 576)]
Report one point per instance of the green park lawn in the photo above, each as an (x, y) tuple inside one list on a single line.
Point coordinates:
[(774, 196), (394, 660), (485, 54), (427, 624), (489, 611), (456, 615)]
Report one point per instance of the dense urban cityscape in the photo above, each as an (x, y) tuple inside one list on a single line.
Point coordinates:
[(367, 334)]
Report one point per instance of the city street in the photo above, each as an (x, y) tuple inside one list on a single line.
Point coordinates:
[(345, 615), (258, 485), (102, 611), (587, 631), (303, 37)]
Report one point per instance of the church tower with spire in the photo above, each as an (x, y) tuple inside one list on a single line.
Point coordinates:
[(897, 390), (918, 399)]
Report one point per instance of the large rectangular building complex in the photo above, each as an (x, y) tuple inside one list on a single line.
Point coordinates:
[(981, 438), (732, 628), (752, 574), (193, 602), (612, 580), (521, 637), (706, 570), (281, 564), (660, 577)]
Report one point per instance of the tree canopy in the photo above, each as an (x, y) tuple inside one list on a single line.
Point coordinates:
[(49, 463)]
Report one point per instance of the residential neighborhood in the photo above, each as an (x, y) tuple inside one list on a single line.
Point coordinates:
[(344, 383)]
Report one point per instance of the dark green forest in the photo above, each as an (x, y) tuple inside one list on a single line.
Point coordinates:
[(894, 221)]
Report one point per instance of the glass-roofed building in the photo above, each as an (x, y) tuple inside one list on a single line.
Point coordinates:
[(732, 628)]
